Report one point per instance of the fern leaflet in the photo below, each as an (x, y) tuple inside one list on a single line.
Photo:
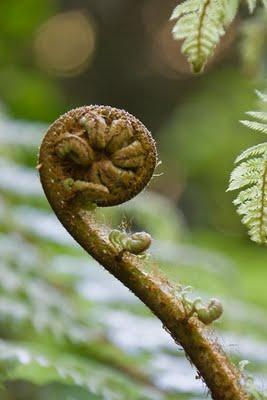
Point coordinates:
[(250, 174), (253, 3)]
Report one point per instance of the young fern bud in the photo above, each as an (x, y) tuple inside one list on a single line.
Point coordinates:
[(209, 313), (136, 243), (205, 313)]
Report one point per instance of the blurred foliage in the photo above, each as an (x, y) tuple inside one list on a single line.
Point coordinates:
[(204, 137), (28, 93), (253, 44)]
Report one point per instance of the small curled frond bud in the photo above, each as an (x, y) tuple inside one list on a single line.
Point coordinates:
[(208, 313), (108, 153), (205, 313), (137, 243)]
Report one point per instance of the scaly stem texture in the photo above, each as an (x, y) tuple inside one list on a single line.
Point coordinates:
[(104, 156)]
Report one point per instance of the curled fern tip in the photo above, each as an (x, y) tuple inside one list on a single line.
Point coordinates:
[(101, 154)]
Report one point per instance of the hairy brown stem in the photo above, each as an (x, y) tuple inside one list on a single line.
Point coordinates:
[(109, 161)]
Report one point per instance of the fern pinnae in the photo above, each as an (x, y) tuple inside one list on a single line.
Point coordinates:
[(230, 10), (256, 150), (246, 174), (253, 3), (262, 96), (251, 203), (260, 115), (250, 174), (247, 194), (183, 8), (256, 126)]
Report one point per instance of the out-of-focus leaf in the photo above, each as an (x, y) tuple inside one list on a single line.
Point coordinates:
[(24, 362)]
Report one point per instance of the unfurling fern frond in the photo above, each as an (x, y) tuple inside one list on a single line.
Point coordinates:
[(251, 175), (201, 23)]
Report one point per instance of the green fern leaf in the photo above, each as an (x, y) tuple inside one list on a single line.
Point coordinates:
[(261, 96), (246, 173), (250, 174), (257, 150), (253, 3), (201, 23), (256, 126), (231, 8), (262, 116), (252, 202)]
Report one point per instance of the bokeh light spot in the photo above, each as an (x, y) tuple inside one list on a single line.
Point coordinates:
[(65, 43)]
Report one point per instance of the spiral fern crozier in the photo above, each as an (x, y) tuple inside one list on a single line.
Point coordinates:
[(102, 153), (101, 156)]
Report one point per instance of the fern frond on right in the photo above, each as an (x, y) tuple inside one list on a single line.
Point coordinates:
[(250, 175)]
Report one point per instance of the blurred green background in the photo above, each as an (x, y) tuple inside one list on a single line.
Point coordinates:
[(67, 329)]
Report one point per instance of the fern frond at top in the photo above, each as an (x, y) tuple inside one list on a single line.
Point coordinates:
[(201, 24), (250, 174)]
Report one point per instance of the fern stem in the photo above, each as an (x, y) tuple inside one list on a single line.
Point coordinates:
[(199, 67), (78, 216)]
